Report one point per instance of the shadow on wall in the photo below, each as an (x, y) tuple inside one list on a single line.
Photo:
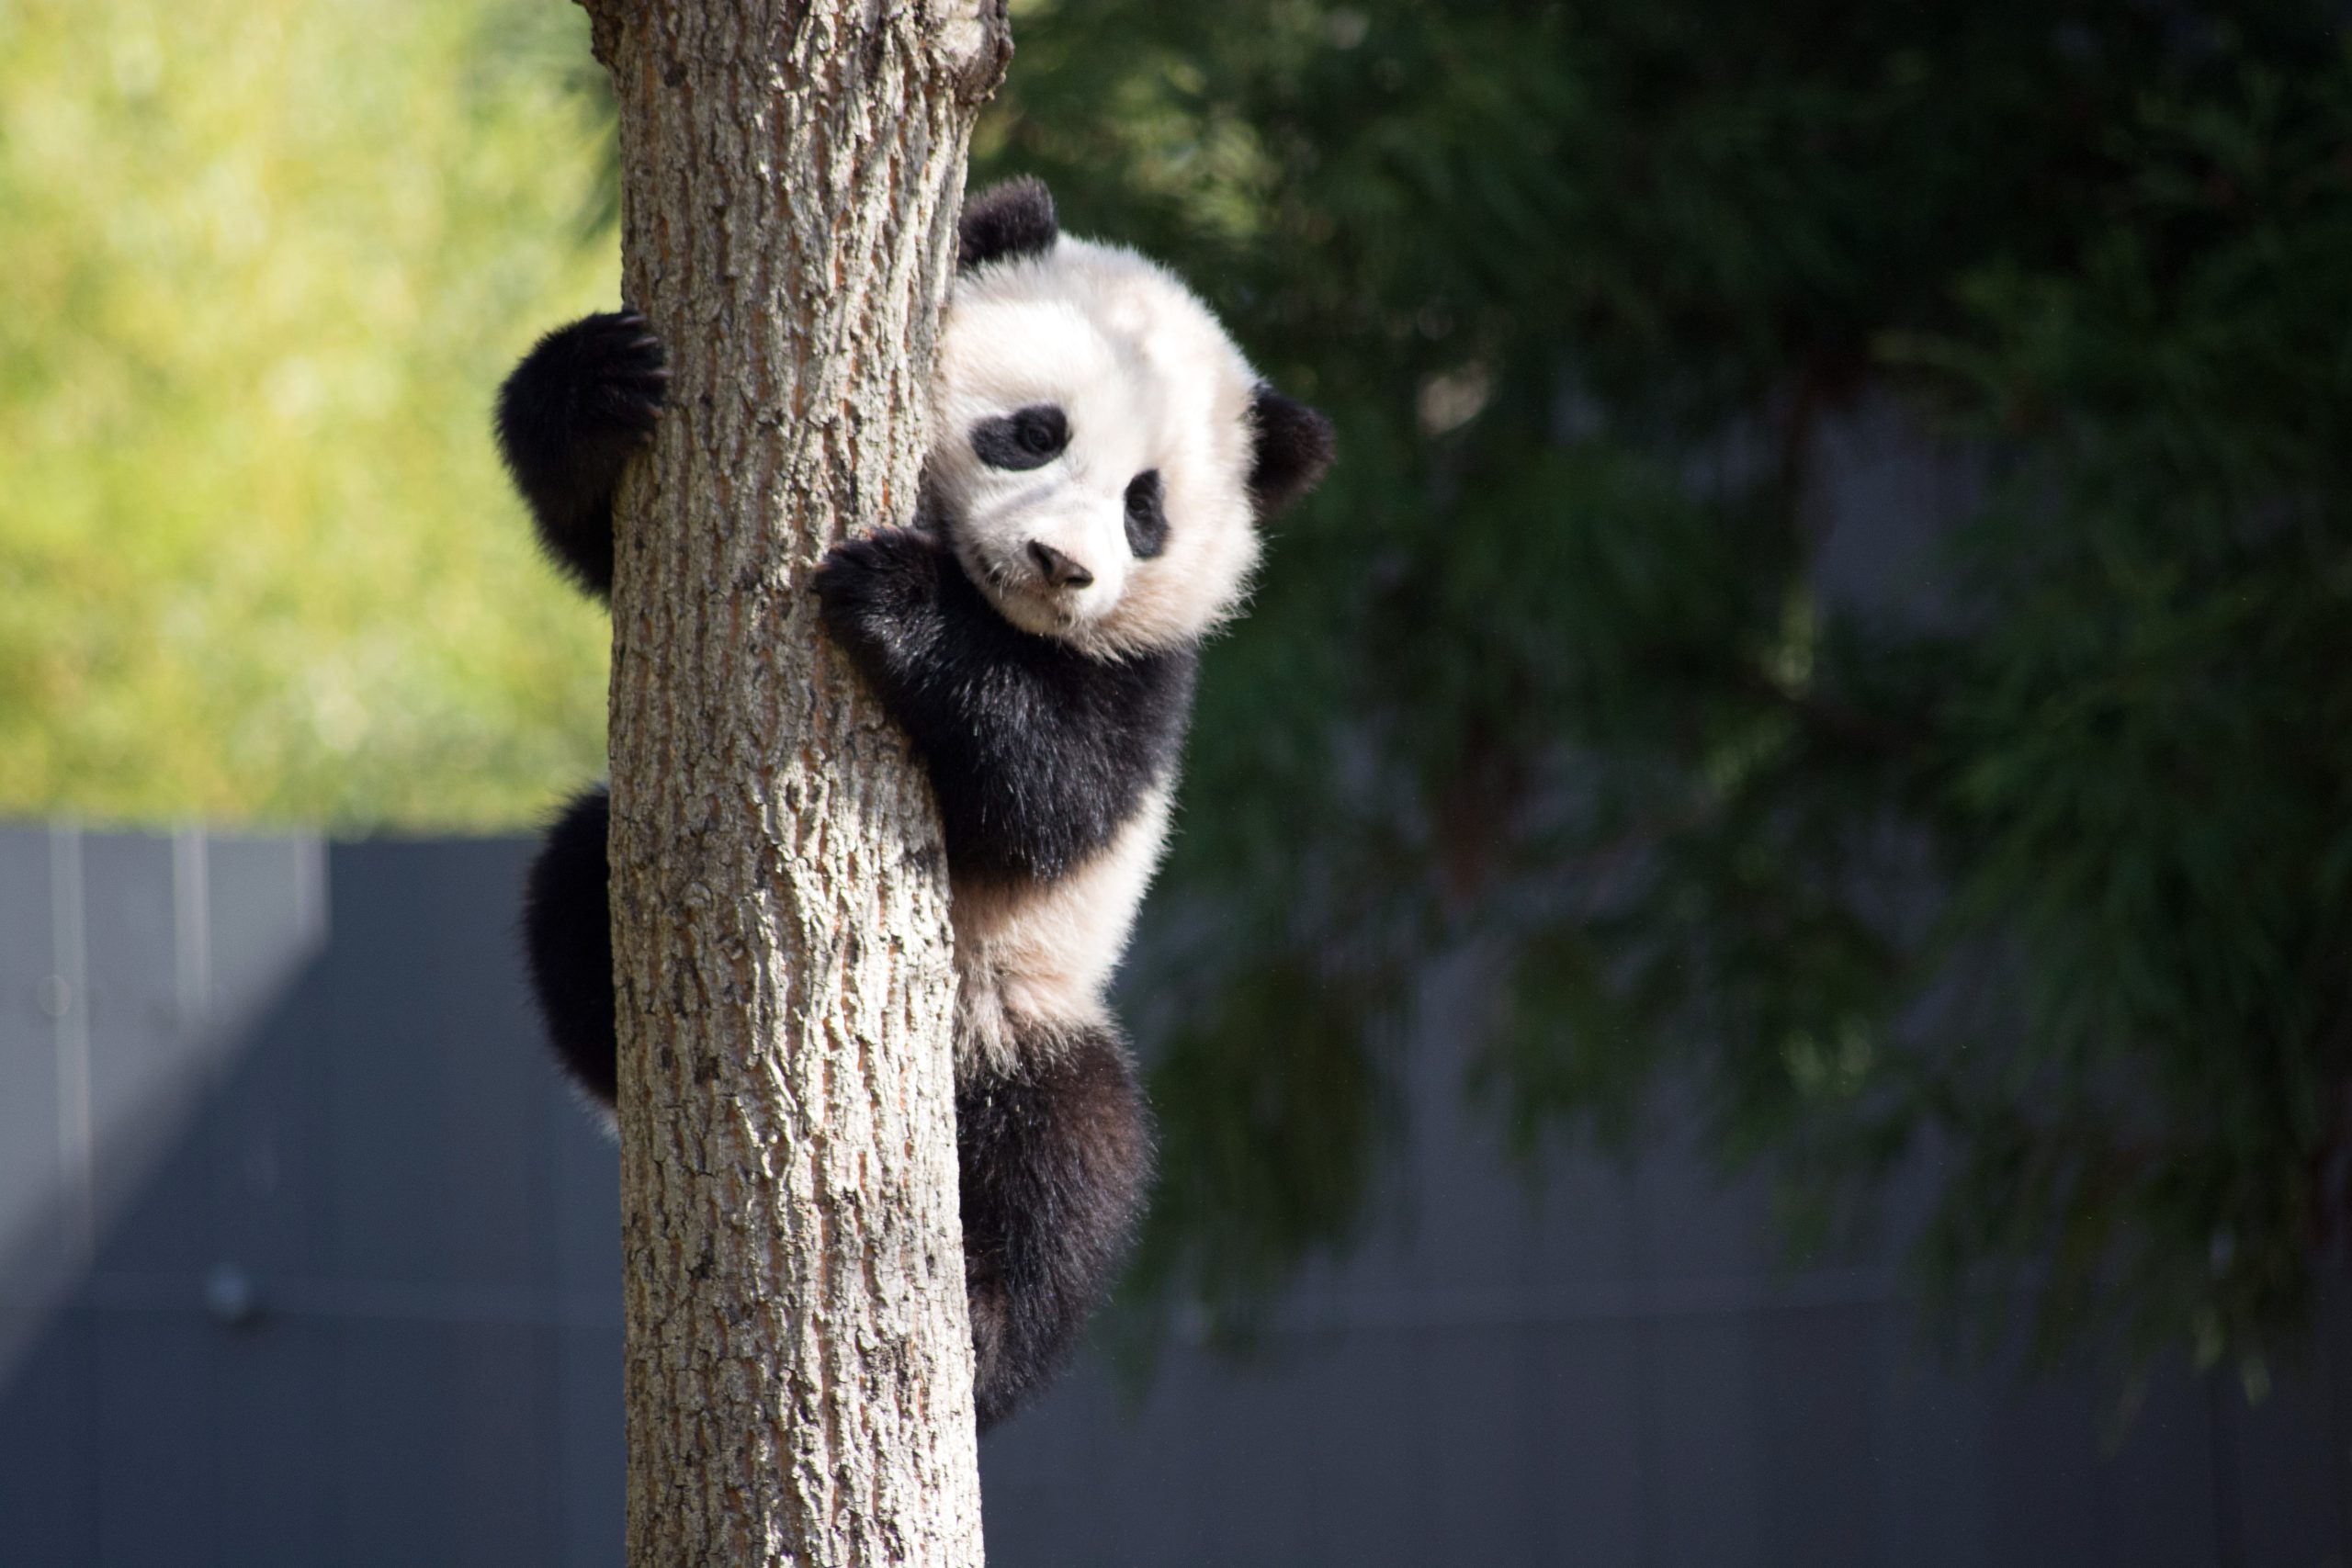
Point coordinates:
[(186, 946), (308, 1259)]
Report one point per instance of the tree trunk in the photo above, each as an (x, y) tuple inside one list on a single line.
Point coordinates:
[(798, 1374)]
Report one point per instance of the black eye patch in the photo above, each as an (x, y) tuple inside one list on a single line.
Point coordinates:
[(1026, 438), (1147, 522)]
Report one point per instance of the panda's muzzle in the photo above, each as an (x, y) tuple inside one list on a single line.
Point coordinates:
[(1058, 570)]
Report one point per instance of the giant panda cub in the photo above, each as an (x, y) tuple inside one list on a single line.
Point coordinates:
[(1104, 454)]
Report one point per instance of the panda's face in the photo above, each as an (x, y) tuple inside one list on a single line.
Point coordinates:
[(1092, 450)]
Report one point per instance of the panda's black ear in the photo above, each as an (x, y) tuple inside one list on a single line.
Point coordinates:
[(1015, 219), (1293, 444)]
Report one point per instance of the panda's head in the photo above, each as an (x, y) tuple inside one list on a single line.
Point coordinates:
[(1103, 452)]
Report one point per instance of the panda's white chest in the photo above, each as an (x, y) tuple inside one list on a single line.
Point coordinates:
[(1033, 959)]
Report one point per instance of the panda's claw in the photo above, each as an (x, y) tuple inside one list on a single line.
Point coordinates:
[(873, 588), (626, 378), (633, 403)]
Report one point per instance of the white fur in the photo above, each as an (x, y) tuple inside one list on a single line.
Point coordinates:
[(1148, 379), (1037, 956)]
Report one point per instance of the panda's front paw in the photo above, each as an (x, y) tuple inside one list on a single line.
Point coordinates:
[(874, 591), (598, 382), (621, 378), (575, 411)]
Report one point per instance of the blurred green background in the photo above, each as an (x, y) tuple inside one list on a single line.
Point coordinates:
[(2023, 855), (266, 262)]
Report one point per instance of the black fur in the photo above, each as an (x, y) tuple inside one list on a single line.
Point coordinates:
[(1037, 753), (1147, 514), (568, 936), (1023, 439), (1293, 446), (1055, 1158), (1015, 219), (570, 418)]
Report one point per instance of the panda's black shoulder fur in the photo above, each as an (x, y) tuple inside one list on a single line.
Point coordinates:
[(1037, 752)]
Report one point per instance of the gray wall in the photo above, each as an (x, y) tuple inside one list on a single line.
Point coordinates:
[(306, 1258)]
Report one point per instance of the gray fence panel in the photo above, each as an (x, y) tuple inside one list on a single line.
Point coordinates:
[(157, 1386), (1480, 1495), (50, 1459), (1590, 1476), (591, 1468), (2059, 1495), (1355, 1422), (1818, 1387), (48, 1470), (30, 1214), (142, 1061), (438, 1107), (278, 1473), (262, 1153), (443, 1198), (1702, 1441), (1924, 1474), (2287, 1487), (446, 1451), (588, 1452)]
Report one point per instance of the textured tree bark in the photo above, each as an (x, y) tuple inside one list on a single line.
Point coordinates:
[(799, 1361)]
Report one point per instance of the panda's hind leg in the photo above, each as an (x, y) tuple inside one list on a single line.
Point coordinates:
[(568, 938), (1057, 1156)]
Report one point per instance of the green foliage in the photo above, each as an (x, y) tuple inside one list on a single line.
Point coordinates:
[(265, 263), (2036, 863), (1270, 1113)]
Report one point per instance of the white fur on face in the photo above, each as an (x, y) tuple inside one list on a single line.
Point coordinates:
[(1148, 380)]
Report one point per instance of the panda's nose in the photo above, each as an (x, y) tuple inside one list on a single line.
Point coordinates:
[(1059, 570)]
